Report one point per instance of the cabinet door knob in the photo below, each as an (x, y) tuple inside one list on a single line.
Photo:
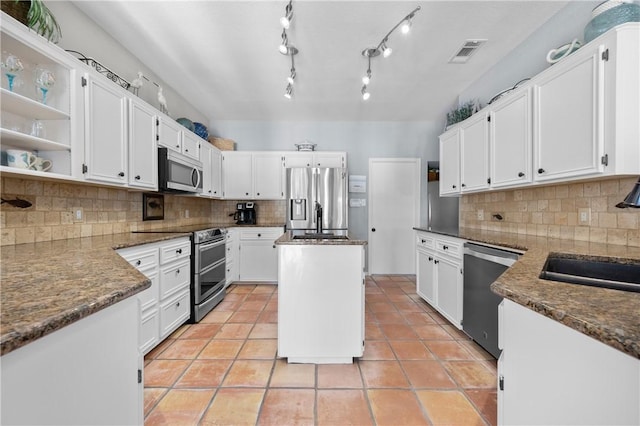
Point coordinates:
[(373, 229), (246, 193), (209, 191), (178, 305), (177, 146), (258, 193), (274, 246), (541, 171), (137, 177), (259, 235), (445, 247), (423, 241), (177, 271), (138, 262), (179, 251), (186, 150), (520, 174), (453, 186), (121, 174), (436, 261), (430, 258), (463, 185)]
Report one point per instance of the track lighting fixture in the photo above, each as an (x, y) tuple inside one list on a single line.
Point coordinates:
[(384, 49), (287, 49), (285, 21)]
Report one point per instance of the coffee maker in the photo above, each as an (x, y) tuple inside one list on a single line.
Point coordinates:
[(245, 214)]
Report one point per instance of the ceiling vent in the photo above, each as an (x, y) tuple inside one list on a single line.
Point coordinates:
[(464, 53)]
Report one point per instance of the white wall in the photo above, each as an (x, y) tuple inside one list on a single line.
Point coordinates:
[(529, 58), (361, 141), (80, 33)]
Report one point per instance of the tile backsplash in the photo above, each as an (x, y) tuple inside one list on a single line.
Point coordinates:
[(104, 211), (555, 210)]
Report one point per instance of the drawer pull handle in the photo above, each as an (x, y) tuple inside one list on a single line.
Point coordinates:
[(138, 262), (423, 241), (178, 305), (179, 251), (445, 247)]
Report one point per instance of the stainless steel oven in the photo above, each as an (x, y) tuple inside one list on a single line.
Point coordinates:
[(209, 271)]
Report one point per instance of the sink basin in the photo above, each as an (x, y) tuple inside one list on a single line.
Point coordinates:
[(593, 272), (320, 237)]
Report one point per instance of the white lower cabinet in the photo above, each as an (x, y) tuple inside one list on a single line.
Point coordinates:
[(550, 374), (165, 305), (258, 254), (88, 372), (440, 274)]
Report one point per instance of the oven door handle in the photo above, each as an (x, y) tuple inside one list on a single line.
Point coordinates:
[(219, 263), (210, 244)]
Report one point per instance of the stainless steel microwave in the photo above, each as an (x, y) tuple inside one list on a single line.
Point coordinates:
[(178, 173)]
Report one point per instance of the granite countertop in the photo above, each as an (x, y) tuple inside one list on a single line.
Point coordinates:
[(287, 239), (48, 285), (610, 316)]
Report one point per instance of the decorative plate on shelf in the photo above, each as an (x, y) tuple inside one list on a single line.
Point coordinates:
[(187, 123), (201, 130)]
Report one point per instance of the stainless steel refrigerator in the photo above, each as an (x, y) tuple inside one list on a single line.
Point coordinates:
[(310, 190)]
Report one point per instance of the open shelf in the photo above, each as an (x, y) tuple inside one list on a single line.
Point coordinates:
[(28, 142), (27, 107), (14, 171)]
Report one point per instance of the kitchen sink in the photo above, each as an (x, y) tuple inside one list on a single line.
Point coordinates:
[(600, 272), (320, 237)]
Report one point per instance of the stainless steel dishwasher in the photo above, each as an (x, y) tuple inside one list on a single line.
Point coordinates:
[(482, 266)]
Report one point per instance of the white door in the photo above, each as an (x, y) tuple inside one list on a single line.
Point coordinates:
[(394, 209)]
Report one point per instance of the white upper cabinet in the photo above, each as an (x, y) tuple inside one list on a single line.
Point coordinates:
[(191, 144), (237, 175), (568, 118), (450, 163), (268, 175), (143, 155), (474, 147), (315, 159), (510, 140), (577, 119), (253, 175), (211, 159), (105, 131), (170, 134)]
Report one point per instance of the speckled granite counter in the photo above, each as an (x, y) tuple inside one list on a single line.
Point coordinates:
[(610, 316), (46, 286), (287, 239)]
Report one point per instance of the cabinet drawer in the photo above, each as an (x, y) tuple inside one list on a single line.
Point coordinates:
[(451, 248), (174, 313), (175, 277), (268, 234), (149, 331), (424, 241), (175, 251), (149, 297), (141, 259)]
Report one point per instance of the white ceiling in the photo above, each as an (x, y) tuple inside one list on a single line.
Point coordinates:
[(222, 56)]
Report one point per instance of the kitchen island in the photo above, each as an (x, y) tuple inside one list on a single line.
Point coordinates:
[(320, 299)]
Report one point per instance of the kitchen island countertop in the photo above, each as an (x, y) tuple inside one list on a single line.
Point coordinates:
[(610, 316), (48, 285), (287, 239)]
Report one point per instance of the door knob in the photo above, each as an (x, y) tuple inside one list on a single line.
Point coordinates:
[(373, 229)]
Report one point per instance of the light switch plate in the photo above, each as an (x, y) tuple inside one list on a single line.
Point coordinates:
[(584, 216)]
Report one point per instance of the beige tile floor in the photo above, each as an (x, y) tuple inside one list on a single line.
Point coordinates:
[(417, 368)]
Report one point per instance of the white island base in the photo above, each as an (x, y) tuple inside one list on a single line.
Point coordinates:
[(321, 302)]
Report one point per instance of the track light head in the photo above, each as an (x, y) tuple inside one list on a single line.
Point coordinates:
[(406, 26), (285, 21), (284, 45), (288, 91), (367, 78), (292, 77), (386, 50), (365, 95)]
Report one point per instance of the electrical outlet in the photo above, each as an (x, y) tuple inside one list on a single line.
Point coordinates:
[(584, 216), (78, 214), (480, 214), (186, 213)]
